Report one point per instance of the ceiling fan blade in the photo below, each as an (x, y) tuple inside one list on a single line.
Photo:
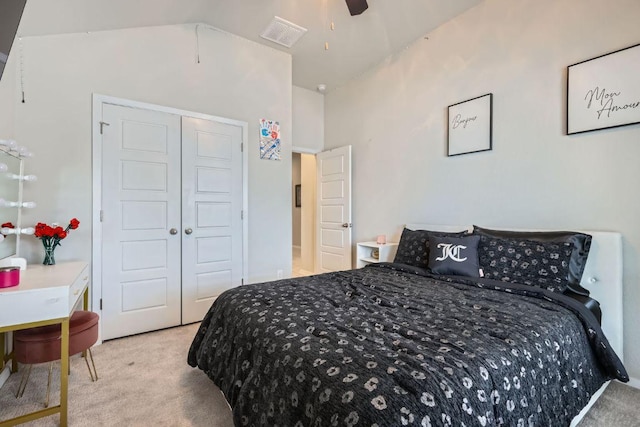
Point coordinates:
[(356, 7)]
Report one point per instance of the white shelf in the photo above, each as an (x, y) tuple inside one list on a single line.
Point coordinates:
[(364, 253)]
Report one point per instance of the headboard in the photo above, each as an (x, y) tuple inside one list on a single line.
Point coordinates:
[(602, 276)]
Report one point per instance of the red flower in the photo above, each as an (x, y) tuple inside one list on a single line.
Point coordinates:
[(51, 236), (43, 230)]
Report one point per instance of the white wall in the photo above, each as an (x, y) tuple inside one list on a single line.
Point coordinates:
[(308, 120), (236, 78), (308, 137), (296, 212), (536, 176)]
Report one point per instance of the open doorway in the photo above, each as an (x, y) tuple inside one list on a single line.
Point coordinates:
[(303, 206)]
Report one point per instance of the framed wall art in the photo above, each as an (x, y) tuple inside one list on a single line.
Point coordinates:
[(604, 92), (470, 126)]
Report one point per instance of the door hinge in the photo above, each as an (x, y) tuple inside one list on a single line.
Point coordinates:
[(102, 125), (242, 147), (242, 214), (100, 303), (242, 282), (101, 215)]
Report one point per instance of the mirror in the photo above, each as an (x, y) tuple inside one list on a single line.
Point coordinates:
[(9, 191)]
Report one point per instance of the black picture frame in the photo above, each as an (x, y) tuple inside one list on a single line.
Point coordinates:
[(470, 126), (604, 92), (298, 195)]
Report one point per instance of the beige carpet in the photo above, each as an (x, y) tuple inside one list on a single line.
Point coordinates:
[(145, 380), (619, 406)]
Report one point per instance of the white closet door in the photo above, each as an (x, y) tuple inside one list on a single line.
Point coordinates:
[(333, 244), (211, 213), (141, 205)]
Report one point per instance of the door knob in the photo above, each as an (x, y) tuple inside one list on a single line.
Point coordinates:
[(188, 231), (346, 225), (173, 231)]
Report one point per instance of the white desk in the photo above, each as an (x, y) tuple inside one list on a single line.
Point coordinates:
[(46, 295)]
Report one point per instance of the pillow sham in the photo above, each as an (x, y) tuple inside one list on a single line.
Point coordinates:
[(454, 255), (541, 264), (413, 248), (581, 245)]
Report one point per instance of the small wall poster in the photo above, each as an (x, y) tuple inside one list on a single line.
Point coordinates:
[(269, 140)]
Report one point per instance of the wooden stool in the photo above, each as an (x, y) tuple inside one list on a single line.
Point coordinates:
[(42, 344)]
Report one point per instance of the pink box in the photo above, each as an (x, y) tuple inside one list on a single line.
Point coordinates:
[(9, 276)]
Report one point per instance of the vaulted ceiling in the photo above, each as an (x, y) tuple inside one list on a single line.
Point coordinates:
[(355, 44)]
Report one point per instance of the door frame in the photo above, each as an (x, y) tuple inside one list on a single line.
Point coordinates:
[(96, 195), (313, 152)]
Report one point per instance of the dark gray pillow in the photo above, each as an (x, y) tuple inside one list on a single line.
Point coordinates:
[(413, 248), (454, 255), (541, 264), (581, 244)]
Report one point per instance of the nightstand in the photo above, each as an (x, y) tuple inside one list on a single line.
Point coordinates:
[(366, 251)]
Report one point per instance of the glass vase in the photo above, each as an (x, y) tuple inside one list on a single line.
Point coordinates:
[(49, 255)]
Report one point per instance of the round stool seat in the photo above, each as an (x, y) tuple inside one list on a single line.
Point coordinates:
[(42, 344)]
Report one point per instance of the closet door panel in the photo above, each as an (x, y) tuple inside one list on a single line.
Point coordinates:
[(211, 213), (141, 283)]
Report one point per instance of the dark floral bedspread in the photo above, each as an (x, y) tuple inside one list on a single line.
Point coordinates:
[(392, 346)]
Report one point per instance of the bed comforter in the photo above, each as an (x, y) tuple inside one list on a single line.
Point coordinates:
[(391, 345)]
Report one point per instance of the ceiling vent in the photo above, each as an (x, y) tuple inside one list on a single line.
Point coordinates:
[(283, 32)]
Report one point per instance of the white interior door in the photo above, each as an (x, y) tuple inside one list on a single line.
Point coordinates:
[(334, 210), (140, 207), (211, 213)]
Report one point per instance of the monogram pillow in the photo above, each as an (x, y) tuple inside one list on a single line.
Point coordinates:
[(454, 255), (413, 248), (542, 264)]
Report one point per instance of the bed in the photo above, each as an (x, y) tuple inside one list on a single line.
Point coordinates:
[(397, 344)]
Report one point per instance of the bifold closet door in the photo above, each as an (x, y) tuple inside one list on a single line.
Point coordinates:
[(141, 203), (212, 193)]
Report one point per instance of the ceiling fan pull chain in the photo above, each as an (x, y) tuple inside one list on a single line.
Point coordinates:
[(197, 44)]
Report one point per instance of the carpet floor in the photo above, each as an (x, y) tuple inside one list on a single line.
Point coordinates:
[(145, 380), (619, 406)]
